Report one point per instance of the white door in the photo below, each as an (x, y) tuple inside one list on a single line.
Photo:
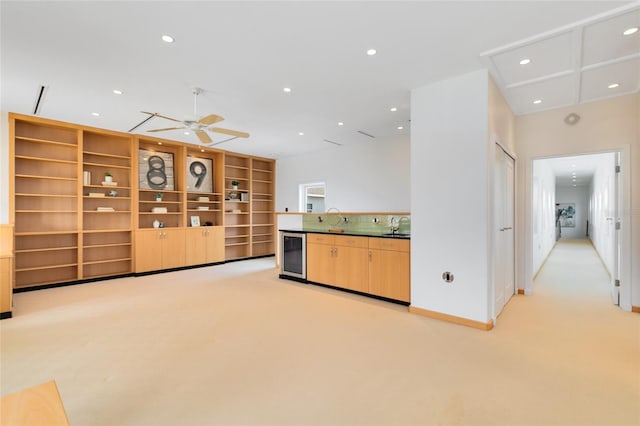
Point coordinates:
[(504, 259)]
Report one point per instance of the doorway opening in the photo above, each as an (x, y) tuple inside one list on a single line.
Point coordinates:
[(581, 199)]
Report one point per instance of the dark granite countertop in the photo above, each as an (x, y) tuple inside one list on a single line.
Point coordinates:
[(350, 233)]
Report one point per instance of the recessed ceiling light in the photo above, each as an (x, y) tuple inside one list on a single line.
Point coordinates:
[(525, 61), (537, 101), (574, 185), (371, 52), (159, 143), (187, 133), (287, 89), (400, 127), (117, 91), (301, 133), (613, 85), (394, 109), (340, 123), (95, 114), (167, 39), (630, 31)]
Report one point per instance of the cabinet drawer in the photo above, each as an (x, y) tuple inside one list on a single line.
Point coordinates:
[(348, 241), (321, 239), (389, 244)]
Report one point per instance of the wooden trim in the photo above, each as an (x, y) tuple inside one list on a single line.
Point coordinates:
[(635, 309), (451, 318), (521, 291)]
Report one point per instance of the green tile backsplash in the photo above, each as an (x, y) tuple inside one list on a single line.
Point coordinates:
[(373, 224)]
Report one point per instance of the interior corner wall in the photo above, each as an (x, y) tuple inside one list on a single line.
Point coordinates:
[(543, 212), (360, 177), (580, 197), (449, 196), (606, 125), (4, 167)]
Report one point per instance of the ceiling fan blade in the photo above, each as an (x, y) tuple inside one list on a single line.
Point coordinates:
[(167, 128), (229, 132), (161, 116), (210, 119), (203, 136)]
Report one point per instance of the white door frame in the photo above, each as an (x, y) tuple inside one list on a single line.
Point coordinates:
[(625, 222)]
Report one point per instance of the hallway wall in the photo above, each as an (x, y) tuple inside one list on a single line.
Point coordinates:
[(580, 197), (543, 210), (602, 201)]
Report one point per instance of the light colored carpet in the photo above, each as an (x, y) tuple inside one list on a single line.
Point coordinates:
[(233, 344)]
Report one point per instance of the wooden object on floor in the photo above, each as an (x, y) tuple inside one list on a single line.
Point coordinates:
[(39, 405)]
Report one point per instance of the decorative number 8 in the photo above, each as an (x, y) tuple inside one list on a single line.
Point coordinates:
[(199, 171), (156, 176)]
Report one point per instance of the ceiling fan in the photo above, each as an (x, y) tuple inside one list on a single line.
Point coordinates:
[(201, 126)]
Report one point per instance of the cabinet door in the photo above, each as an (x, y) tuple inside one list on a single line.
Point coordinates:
[(148, 250), (320, 263), (352, 268), (173, 248), (196, 246), (390, 274), (215, 244)]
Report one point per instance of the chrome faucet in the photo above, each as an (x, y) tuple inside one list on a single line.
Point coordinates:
[(394, 224)]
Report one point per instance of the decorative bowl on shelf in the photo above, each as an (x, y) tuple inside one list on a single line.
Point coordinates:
[(234, 195)]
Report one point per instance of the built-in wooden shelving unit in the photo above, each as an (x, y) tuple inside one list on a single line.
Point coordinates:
[(71, 224)]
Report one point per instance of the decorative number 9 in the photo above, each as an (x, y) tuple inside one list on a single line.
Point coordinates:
[(156, 176), (198, 171)]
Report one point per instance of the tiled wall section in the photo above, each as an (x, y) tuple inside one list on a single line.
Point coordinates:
[(373, 224)]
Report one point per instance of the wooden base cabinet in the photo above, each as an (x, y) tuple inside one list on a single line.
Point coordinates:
[(6, 286), (160, 248), (390, 268), (340, 261), (205, 244), (377, 266)]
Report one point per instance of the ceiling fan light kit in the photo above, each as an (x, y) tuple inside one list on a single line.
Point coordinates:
[(201, 126)]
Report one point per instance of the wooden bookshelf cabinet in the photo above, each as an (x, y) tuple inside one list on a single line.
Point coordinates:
[(262, 208), (45, 177), (237, 215), (71, 224)]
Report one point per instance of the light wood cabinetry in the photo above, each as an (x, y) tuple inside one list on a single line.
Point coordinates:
[(44, 168), (106, 209), (377, 266), (205, 244), (262, 207), (237, 215), (390, 268), (158, 249), (339, 261)]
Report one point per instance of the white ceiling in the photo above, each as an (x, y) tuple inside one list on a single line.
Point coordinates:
[(577, 170), (572, 64), (243, 54)]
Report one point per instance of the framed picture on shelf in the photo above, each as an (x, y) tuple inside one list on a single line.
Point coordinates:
[(156, 170), (195, 220), (199, 174)]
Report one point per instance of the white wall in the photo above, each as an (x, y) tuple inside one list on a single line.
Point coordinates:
[(543, 212), (602, 201), (449, 196), (580, 196), (607, 125), (371, 176)]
